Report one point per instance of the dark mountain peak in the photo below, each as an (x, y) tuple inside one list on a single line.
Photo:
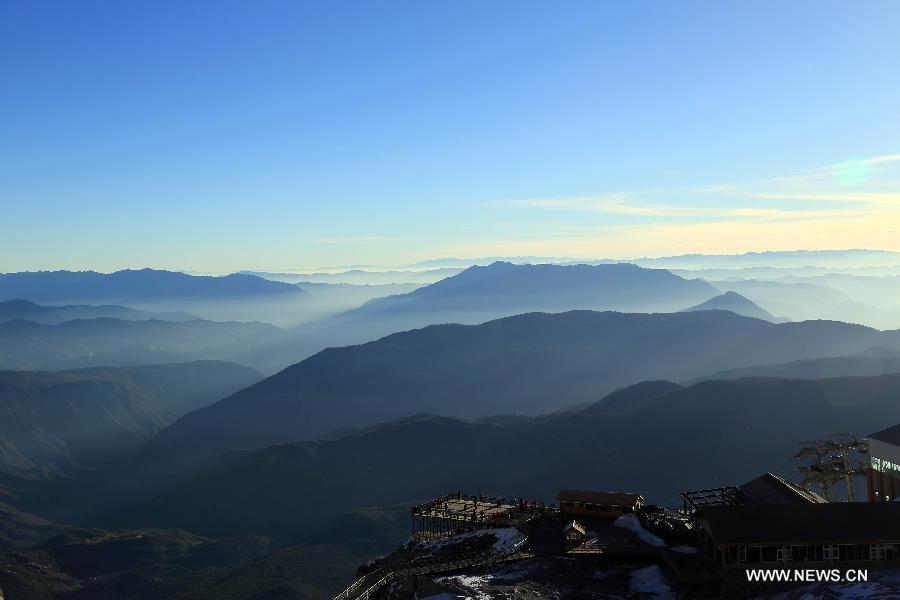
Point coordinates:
[(497, 264), (734, 296), (18, 304), (727, 299), (736, 303)]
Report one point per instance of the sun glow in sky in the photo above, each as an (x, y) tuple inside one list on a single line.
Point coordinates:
[(219, 136)]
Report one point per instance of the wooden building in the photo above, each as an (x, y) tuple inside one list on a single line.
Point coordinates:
[(574, 533), (883, 473), (577, 503)]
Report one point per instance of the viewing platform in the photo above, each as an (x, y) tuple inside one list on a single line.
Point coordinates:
[(458, 513)]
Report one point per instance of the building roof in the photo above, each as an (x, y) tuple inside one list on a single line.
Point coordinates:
[(723, 496), (835, 522), (606, 498), (891, 435), (772, 489)]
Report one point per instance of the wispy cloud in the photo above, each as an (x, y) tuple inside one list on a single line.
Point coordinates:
[(850, 204), (857, 182), (619, 203)]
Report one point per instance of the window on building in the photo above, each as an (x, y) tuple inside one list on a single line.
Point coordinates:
[(829, 552), (770, 554)]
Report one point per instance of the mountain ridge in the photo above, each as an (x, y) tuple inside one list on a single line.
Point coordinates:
[(527, 364), (56, 286), (21, 308)]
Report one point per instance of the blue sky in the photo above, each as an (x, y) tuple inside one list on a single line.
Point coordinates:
[(289, 135)]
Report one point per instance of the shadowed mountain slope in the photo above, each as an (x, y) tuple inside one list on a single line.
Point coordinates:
[(150, 564), (60, 423), (528, 364), (710, 434)]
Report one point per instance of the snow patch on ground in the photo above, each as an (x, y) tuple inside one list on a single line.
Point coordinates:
[(477, 585), (685, 549), (631, 523), (441, 597), (508, 541), (650, 580), (439, 543), (474, 584)]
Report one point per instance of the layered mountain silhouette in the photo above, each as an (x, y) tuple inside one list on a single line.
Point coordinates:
[(527, 364), (60, 423), (67, 286), (668, 438), (501, 289), (737, 304), (53, 315), (116, 342)]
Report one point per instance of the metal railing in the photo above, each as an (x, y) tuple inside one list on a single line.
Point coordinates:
[(370, 583)]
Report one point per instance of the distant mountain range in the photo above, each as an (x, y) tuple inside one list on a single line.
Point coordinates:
[(68, 286), (116, 342), (528, 364), (737, 304), (785, 258), (480, 294), (776, 258), (362, 276), (53, 315), (501, 289), (59, 423)]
